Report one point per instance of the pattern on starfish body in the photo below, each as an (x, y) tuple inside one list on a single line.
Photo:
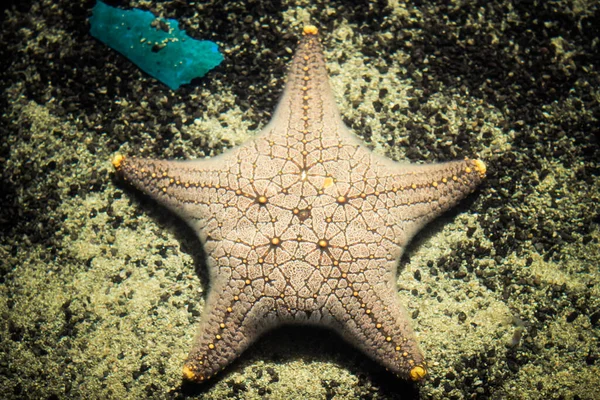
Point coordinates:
[(303, 224)]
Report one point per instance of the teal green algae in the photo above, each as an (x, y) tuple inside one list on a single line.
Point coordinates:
[(100, 309), (154, 44)]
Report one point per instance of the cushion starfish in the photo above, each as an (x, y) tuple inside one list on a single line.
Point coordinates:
[(303, 224)]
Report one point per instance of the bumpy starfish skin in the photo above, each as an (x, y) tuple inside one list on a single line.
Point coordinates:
[(303, 224)]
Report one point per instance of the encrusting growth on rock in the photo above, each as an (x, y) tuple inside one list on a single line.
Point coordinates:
[(303, 224)]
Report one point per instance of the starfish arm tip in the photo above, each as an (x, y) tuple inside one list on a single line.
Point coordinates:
[(418, 373), (117, 160), (480, 167), (190, 374), (310, 30)]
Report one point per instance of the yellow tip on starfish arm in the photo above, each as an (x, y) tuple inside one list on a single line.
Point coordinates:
[(480, 166), (189, 374), (417, 373), (310, 30), (118, 160)]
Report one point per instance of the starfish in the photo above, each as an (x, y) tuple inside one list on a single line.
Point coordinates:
[(303, 224)]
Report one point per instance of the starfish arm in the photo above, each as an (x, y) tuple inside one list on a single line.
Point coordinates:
[(372, 318), (415, 194), (181, 186), (204, 193), (232, 319), (307, 106)]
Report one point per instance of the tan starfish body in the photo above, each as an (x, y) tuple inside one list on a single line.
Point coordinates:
[(303, 224)]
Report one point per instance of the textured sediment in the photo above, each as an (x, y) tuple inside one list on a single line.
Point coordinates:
[(101, 291)]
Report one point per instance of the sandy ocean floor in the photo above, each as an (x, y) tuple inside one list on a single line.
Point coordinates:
[(102, 290)]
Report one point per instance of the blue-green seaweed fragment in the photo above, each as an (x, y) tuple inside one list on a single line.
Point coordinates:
[(156, 45)]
